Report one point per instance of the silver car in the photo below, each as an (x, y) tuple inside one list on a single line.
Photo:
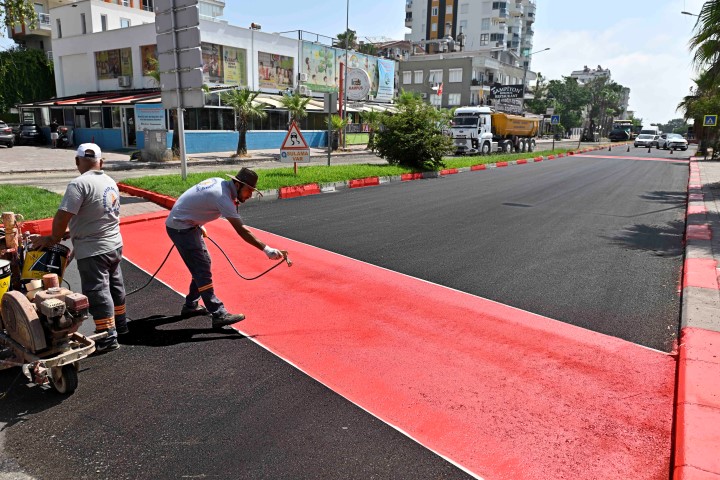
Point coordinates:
[(644, 140), (672, 141)]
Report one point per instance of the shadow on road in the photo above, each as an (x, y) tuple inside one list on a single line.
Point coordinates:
[(661, 240), (147, 332)]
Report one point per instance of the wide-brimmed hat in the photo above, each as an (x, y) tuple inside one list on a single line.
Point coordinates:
[(246, 177)]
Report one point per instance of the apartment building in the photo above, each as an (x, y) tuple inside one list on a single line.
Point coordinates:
[(587, 74)]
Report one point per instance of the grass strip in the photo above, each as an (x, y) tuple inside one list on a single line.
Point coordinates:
[(32, 203)]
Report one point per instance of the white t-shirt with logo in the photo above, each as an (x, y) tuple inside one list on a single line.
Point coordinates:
[(207, 201), (94, 199)]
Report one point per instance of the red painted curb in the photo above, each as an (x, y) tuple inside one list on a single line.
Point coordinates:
[(39, 227), (449, 171), (700, 272), (698, 406), (162, 200), (698, 232), (405, 177), (501, 164), (521, 162), (696, 209), (364, 182), (478, 167), (551, 157), (571, 153), (299, 190), (538, 159)]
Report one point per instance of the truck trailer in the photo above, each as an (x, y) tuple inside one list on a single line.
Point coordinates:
[(483, 130)]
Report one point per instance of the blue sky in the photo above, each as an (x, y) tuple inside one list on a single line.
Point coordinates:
[(642, 42)]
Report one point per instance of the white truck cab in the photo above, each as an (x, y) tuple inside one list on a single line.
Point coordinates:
[(471, 130)]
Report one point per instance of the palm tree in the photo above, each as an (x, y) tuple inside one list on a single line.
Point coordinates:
[(706, 41), (372, 118), (338, 124), (242, 101), (295, 105)]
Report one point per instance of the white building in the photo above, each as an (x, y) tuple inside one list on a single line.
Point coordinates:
[(587, 75)]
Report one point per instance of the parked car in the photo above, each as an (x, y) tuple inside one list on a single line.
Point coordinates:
[(672, 141), (644, 140), (7, 137), (29, 133), (655, 140)]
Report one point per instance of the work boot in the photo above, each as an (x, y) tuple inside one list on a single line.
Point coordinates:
[(108, 343), (193, 310), (219, 321)]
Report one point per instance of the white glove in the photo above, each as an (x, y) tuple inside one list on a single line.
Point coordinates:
[(272, 253)]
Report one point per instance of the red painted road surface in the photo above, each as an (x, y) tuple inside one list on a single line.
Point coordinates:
[(650, 159), (503, 393)]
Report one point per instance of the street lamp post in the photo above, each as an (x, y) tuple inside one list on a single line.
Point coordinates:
[(691, 14), (526, 63)]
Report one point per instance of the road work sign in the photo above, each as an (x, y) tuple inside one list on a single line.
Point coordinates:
[(294, 148), (710, 121)]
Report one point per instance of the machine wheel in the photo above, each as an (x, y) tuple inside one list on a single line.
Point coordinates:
[(531, 146), (523, 146), (485, 150), (507, 146), (64, 379)]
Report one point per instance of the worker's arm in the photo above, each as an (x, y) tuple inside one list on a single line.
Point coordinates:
[(59, 227), (248, 236)]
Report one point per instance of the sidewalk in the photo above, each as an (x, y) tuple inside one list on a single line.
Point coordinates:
[(697, 427)]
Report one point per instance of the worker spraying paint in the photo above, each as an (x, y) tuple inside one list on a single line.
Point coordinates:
[(207, 201)]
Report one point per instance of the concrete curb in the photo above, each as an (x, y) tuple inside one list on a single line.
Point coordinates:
[(697, 408)]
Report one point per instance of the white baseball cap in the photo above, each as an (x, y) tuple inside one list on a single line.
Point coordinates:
[(90, 151)]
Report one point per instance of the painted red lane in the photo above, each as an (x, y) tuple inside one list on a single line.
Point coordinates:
[(502, 392), (651, 159)]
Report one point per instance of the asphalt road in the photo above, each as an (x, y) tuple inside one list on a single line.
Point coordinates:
[(595, 242)]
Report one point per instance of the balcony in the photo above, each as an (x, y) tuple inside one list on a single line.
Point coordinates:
[(408, 4), (408, 19)]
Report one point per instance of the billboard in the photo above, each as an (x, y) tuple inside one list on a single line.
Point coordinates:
[(235, 66), (113, 63), (275, 71), (506, 91), (212, 63), (321, 67), (386, 79)]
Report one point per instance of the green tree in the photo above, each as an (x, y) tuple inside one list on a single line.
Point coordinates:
[(372, 118), (604, 102), (17, 65), (706, 41), (337, 125), (413, 137), (17, 12), (349, 38), (368, 49), (296, 105), (243, 103)]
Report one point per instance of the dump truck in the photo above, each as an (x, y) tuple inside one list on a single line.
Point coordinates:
[(483, 130)]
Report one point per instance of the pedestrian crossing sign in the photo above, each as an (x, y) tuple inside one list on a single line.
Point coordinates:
[(555, 120), (710, 121)]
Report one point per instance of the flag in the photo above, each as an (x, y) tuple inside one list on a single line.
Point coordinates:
[(439, 90)]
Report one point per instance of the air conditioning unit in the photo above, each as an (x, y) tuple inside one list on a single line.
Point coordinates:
[(304, 90), (423, 95), (303, 77), (124, 81)]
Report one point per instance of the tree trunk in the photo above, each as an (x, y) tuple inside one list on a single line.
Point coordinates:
[(242, 141)]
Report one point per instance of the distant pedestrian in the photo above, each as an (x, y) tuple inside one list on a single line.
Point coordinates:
[(54, 133), (91, 210), (207, 201)]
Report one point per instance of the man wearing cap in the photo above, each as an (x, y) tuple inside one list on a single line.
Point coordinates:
[(207, 201), (91, 210)]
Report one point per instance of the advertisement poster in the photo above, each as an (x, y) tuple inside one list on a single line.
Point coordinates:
[(275, 71), (212, 63), (364, 62), (320, 66), (150, 116), (386, 79), (148, 53), (113, 63), (234, 64)]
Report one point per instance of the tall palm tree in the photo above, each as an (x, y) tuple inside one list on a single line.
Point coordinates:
[(295, 105), (372, 118), (242, 101), (706, 42)]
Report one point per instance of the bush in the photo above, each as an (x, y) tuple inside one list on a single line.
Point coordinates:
[(413, 137)]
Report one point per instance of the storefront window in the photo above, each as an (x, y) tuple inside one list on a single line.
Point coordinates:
[(96, 118), (116, 122)]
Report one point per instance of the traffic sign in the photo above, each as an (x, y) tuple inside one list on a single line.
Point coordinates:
[(555, 120), (294, 148), (710, 121), (187, 17)]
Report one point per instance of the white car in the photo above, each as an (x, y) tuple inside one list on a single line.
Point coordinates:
[(644, 140), (672, 141)]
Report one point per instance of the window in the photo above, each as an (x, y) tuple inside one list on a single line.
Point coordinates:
[(96, 118), (435, 100), (499, 5), (455, 75), (147, 5), (497, 37), (454, 99), (434, 11), (436, 76), (59, 28), (433, 27), (464, 7), (407, 78), (484, 38), (485, 24), (418, 76), (83, 25), (124, 22), (124, 3), (463, 25), (448, 10)]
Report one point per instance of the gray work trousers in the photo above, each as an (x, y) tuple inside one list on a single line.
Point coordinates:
[(192, 250), (102, 282)]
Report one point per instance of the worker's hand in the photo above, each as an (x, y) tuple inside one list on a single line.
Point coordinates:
[(203, 231), (272, 253), (38, 242)]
